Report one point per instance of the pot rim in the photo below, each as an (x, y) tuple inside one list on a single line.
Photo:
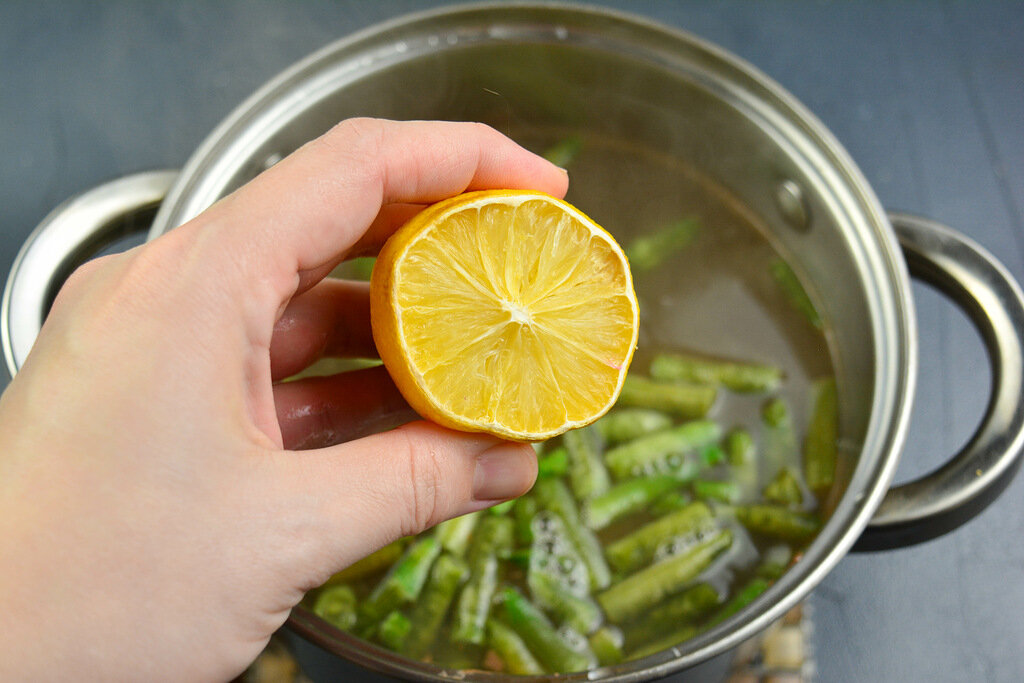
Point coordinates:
[(893, 324)]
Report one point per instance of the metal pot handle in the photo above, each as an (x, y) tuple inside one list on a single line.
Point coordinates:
[(71, 234), (961, 488)]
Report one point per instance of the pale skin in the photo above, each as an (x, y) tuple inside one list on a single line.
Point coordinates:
[(158, 520)]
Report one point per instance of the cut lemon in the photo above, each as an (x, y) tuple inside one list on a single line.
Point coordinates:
[(504, 311)]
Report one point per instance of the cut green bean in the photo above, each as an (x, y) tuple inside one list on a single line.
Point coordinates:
[(553, 495), (578, 611), (740, 451), (712, 455), (626, 424), (668, 503), (661, 451), (523, 512), (687, 401), (371, 564), (337, 606), (454, 534), (512, 649), (712, 489), (740, 599), (682, 609), (403, 582), (778, 522), (646, 588), (820, 444), (493, 537), (606, 642), (563, 152), (738, 377), (393, 630), (679, 635), (779, 447), (553, 464), (638, 548), (587, 474), (501, 508), (784, 489), (550, 646), (446, 576), (626, 498), (649, 251), (795, 293)]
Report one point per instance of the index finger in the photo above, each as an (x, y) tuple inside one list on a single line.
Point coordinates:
[(308, 210)]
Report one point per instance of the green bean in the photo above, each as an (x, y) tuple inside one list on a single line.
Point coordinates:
[(711, 489), (550, 646), (739, 377), (512, 650), (371, 564), (523, 512), (647, 252), (454, 534), (393, 630), (587, 474), (606, 642), (670, 502), (493, 536), (796, 294), (502, 508), (553, 464), (712, 455), (626, 424), (638, 548), (679, 635), (778, 522), (779, 442), (657, 451), (578, 611), (820, 444), (646, 588), (446, 576), (403, 582), (688, 401), (563, 152), (337, 606), (682, 609), (784, 489), (553, 495), (740, 599), (740, 451), (626, 498)]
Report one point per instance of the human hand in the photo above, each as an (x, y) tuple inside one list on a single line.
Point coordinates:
[(153, 523)]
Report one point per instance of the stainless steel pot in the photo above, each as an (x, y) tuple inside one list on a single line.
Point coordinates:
[(615, 75)]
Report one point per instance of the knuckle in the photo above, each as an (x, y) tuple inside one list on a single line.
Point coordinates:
[(425, 473)]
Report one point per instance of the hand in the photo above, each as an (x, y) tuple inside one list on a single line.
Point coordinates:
[(153, 524)]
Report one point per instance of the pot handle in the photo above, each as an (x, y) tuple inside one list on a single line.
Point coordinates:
[(961, 488), (77, 230)]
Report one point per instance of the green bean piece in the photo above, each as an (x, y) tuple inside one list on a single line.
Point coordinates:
[(502, 508), (553, 464), (523, 512), (661, 451), (774, 562), (646, 588), (563, 152), (587, 474), (578, 611), (638, 548), (784, 489), (626, 424), (649, 251), (371, 564), (778, 522), (606, 642), (687, 401), (821, 442), (554, 648), (493, 537), (740, 451), (738, 377), (337, 606), (454, 534), (795, 293), (393, 630), (712, 489), (779, 438), (446, 576), (682, 609), (679, 635), (626, 498), (712, 455), (402, 584), (668, 503), (512, 650), (553, 495), (740, 599)]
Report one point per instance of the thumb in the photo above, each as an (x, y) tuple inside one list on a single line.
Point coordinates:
[(373, 490)]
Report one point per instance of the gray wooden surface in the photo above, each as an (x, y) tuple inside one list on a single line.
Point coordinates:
[(928, 98)]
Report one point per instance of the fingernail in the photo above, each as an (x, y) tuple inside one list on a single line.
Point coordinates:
[(504, 471)]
